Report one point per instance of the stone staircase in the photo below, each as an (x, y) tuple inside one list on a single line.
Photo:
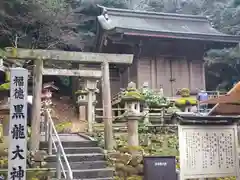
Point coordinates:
[(86, 159)]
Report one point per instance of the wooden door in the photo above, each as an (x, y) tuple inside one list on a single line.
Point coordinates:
[(163, 75), (179, 72)]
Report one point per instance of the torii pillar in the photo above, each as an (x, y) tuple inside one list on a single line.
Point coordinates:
[(107, 106)]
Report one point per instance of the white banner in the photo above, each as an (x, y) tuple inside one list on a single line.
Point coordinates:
[(17, 152)]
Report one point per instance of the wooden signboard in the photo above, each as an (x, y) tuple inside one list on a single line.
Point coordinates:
[(17, 152)]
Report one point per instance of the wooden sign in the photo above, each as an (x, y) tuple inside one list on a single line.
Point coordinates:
[(17, 152), (208, 151), (160, 168)]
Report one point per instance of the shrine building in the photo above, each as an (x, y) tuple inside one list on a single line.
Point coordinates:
[(168, 48)]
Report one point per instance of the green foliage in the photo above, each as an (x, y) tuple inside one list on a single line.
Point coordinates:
[(185, 92), (71, 25), (32, 174), (132, 95), (128, 160), (153, 99), (115, 4), (223, 67), (173, 109), (63, 127), (5, 86)]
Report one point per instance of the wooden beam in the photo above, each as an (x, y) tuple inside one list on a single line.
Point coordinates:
[(81, 57), (73, 72), (36, 106)]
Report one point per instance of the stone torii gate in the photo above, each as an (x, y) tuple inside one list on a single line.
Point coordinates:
[(40, 55)]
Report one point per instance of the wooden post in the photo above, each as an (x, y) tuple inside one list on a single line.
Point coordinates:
[(162, 115), (107, 106), (36, 105), (146, 114)]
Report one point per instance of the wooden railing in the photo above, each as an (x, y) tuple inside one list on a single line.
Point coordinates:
[(155, 115), (54, 143), (211, 94), (116, 112), (158, 114)]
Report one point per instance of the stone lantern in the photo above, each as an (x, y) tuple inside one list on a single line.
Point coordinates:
[(47, 90), (82, 97), (46, 100), (132, 99), (208, 146), (82, 103)]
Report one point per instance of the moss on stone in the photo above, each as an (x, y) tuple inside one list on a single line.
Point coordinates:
[(132, 95), (183, 101), (81, 92)]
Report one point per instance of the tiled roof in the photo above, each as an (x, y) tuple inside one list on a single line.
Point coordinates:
[(161, 25)]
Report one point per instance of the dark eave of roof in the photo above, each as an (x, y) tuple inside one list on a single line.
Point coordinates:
[(162, 25)]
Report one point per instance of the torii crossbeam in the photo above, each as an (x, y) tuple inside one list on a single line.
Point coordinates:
[(40, 55)]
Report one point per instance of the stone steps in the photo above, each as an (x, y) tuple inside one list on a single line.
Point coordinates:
[(93, 173), (85, 158), (79, 150), (96, 179), (67, 144), (79, 157), (81, 165)]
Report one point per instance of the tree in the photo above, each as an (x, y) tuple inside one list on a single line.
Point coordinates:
[(71, 24), (222, 66)]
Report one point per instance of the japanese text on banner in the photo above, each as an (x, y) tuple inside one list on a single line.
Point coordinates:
[(17, 153)]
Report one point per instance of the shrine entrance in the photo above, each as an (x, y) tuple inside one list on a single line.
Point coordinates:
[(40, 56)]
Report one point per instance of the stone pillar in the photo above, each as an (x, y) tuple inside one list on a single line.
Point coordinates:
[(36, 105), (82, 113), (90, 111), (132, 126), (5, 125), (94, 104), (107, 107), (82, 110), (4, 113), (91, 86)]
